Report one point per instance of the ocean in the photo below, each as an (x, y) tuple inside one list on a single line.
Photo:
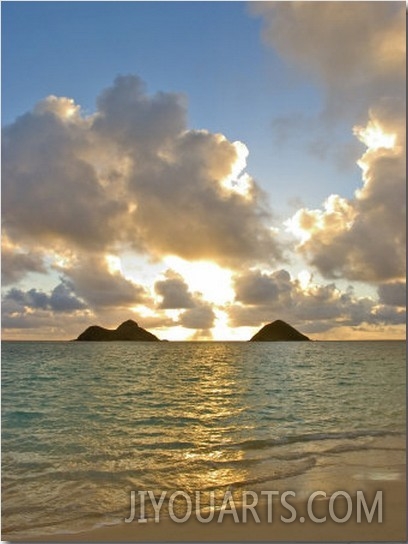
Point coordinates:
[(84, 424)]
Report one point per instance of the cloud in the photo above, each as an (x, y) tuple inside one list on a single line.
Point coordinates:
[(99, 287), (51, 193), (131, 176), (189, 211), (363, 238), (61, 299), (20, 320), (355, 50), (389, 315), (15, 263), (261, 288), (139, 124), (356, 53), (174, 292), (393, 294), (264, 297), (88, 293), (201, 317)]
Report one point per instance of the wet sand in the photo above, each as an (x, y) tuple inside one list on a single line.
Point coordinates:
[(379, 468), (392, 527)]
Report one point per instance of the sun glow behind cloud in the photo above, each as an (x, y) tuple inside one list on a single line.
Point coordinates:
[(222, 329), (205, 277), (136, 185), (238, 181), (374, 137), (304, 277), (337, 215), (114, 264), (64, 107)]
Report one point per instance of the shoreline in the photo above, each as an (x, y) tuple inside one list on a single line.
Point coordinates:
[(392, 528), (232, 528), (380, 467)]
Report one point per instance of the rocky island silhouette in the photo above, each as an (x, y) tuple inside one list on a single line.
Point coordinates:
[(129, 331), (279, 331)]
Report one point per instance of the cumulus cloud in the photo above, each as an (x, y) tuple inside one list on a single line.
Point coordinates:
[(22, 321), (262, 297), (262, 288), (16, 263), (101, 288), (131, 175), (50, 192), (60, 309), (138, 123), (363, 238), (187, 210), (174, 292), (200, 317), (356, 52), (61, 299)]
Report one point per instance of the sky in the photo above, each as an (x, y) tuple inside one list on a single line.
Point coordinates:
[(203, 168)]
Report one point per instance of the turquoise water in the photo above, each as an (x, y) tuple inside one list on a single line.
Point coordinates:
[(83, 424)]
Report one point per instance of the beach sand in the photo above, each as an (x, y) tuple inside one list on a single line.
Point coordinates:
[(382, 468), (392, 528)]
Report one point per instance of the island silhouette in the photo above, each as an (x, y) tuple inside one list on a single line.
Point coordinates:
[(279, 331), (129, 331)]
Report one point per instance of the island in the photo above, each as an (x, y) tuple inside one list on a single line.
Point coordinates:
[(128, 331), (279, 331)]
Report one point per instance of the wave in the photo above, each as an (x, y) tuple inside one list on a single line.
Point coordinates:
[(310, 437)]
